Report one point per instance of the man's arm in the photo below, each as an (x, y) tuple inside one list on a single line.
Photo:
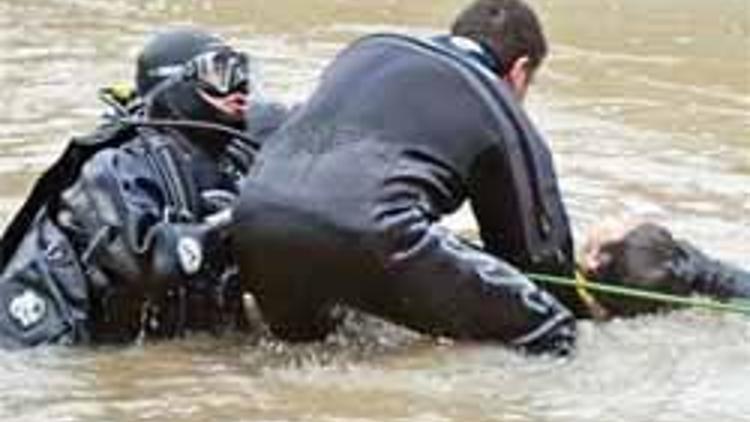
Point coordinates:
[(708, 276), (515, 197)]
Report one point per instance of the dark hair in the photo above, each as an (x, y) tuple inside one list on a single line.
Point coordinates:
[(509, 28), (644, 258)]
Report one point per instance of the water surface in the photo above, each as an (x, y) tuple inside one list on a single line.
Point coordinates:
[(646, 105)]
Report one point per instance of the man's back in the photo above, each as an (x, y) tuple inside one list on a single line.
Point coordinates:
[(366, 137), (399, 123)]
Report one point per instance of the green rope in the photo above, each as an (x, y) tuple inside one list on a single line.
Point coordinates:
[(739, 306)]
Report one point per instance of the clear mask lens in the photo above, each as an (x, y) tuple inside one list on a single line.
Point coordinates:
[(222, 72)]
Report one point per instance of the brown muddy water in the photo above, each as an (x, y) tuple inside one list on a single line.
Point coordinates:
[(646, 104)]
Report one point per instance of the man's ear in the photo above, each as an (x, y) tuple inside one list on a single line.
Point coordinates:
[(519, 76)]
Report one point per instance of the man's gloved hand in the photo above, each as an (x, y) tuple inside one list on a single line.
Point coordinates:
[(192, 244), (183, 249), (201, 243), (189, 248)]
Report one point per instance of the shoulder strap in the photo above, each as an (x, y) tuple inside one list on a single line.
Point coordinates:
[(164, 156)]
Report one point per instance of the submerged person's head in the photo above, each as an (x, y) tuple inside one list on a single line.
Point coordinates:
[(636, 255), (512, 32), (194, 75)]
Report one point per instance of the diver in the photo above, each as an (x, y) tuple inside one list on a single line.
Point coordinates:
[(116, 241), (647, 256), (343, 203)]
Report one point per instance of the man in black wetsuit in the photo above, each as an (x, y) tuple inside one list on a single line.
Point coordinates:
[(343, 203), (115, 241)]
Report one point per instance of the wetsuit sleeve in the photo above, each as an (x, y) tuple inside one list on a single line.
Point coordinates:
[(120, 215), (708, 276), (513, 224), (517, 203)]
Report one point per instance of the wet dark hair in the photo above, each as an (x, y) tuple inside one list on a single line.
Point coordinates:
[(644, 258), (509, 28)]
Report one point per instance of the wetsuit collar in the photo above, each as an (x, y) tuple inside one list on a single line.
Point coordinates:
[(476, 51)]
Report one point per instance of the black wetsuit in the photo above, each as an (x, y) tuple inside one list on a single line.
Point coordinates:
[(343, 203), (92, 257)]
